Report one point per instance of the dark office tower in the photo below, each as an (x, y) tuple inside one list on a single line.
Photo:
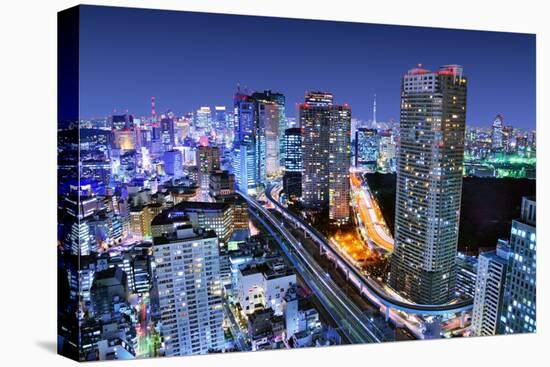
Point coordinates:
[(326, 150), (122, 121), (167, 134), (497, 133), (366, 148), (429, 183), (292, 178), (520, 311), (507, 137)]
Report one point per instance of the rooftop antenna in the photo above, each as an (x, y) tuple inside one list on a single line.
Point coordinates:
[(153, 111), (374, 111)]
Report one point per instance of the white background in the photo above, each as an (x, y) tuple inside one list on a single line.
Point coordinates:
[(28, 171)]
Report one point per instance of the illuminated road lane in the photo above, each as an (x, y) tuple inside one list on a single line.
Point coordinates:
[(369, 216)]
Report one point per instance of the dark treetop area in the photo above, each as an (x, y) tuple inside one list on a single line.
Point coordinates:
[(488, 207)]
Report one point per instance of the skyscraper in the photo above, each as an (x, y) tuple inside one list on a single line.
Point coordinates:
[(189, 291), (497, 133), (272, 118), (220, 117), (203, 118), (326, 152), (366, 148), (292, 178), (208, 158), (489, 291), (173, 163), (520, 313), (258, 118), (168, 136), (429, 183), (249, 145)]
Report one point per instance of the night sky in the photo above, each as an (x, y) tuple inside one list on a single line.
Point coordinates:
[(187, 60)]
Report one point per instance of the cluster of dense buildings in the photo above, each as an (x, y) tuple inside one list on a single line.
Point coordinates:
[(158, 256), (314, 156), (500, 151), (153, 230)]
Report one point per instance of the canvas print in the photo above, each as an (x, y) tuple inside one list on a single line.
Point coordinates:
[(236, 183)]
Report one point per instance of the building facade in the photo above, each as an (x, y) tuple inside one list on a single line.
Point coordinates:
[(367, 144), (327, 154), (292, 178), (429, 183), (189, 291), (489, 292), (520, 313)]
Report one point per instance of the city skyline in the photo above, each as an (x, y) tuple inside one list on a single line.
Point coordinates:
[(184, 73), (237, 228)]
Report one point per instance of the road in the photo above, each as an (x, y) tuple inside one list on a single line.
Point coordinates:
[(377, 293), (351, 320), (240, 339), (372, 225)]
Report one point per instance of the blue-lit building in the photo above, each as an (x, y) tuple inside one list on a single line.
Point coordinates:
[(366, 148), (173, 163), (249, 163), (520, 312), (220, 118)]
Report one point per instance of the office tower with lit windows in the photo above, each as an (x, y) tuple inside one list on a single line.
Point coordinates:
[(326, 152), (221, 184), (257, 121), (203, 118), (218, 217), (208, 160), (366, 148), (220, 118), (173, 163), (189, 291), (466, 275), (429, 183), (520, 312), (271, 115), (489, 291), (249, 145), (167, 131), (497, 133), (292, 178), (387, 151)]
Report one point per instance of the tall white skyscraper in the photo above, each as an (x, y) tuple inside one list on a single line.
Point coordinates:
[(489, 291), (189, 290), (429, 183)]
